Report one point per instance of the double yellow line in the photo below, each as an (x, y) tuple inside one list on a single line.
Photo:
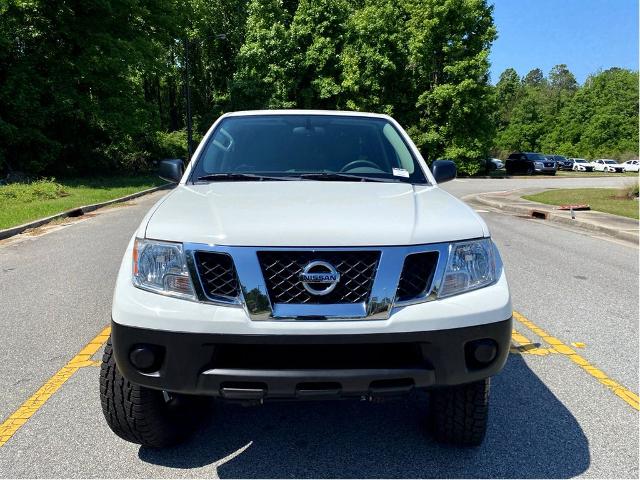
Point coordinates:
[(560, 347)]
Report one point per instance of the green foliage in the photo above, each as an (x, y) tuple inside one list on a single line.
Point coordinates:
[(43, 189), (265, 67), (99, 85), (168, 145), (599, 119), (374, 60), (449, 48)]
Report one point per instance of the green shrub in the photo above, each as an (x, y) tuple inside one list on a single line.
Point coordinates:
[(43, 189), (631, 191), (169, 145)]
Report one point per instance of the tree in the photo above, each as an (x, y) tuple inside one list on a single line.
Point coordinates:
[(601, 119), (527, 125), (264, 78), (535, 78), (72, 94), (318, 30), (560, 78), (374, 61), (448, 56), (508, 90)]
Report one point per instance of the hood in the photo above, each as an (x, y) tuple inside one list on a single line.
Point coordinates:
[(312, 213)]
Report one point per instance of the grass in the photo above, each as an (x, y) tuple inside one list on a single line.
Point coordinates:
[(568, 173), (608, 200), (24, 202)]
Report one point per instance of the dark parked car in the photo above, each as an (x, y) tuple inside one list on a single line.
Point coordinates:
[(562, 162), (529, 163)]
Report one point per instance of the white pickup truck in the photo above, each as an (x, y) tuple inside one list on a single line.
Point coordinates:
[(305, 255)]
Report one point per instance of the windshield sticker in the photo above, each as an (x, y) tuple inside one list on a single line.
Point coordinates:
[(400, 172)]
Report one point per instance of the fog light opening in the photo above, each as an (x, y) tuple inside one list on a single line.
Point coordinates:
[(480, 353), (145, 358)]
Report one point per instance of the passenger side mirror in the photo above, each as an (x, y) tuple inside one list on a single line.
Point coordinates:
[(171, 170), (443, 170)]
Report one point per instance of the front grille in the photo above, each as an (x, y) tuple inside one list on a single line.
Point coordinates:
[(417, 275), (217, 273), (281, 270)]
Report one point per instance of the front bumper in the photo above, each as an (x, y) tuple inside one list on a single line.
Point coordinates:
[(256, 367)]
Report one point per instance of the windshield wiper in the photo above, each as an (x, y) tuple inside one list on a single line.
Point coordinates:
[(344, 177), (215, 177)]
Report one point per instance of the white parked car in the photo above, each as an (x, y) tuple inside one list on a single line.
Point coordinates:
[(495, 164), (631, 165), (581, 165), (305, 255), (607, 165)]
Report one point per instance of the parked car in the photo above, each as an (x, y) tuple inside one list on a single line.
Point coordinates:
[(529, 163), (581, 165), (631, 165), (562, 162), (495, 164), (305, 255), (607, 165)]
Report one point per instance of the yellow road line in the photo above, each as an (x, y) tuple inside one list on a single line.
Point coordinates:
[(560, 347), (524, 345), (38, 399)]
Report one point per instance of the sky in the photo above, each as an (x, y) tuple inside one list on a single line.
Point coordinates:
[(587, 35)]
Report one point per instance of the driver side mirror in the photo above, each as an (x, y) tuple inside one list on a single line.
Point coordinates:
[(443, 170), (171, 170)]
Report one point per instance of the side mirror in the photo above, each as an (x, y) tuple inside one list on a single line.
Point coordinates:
[(171, 170), (443, 170)]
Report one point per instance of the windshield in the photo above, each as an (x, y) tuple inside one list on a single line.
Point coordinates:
[(536, 156), (580, 160), (611, 162), (293, 145)]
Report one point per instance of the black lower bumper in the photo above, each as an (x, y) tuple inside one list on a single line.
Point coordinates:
[(252, 367)]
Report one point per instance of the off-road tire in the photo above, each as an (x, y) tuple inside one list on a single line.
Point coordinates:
[(143, 415), (459, 414)]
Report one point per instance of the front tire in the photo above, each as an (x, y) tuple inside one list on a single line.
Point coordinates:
[(142, 415), (459, 414)]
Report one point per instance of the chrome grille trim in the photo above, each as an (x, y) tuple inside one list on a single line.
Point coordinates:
[(281, 270), (254, 294)]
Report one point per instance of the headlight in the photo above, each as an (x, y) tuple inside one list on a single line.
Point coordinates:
[(161, 267), (471, 265)]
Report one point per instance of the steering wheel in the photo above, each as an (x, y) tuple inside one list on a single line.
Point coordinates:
[(360, 163)]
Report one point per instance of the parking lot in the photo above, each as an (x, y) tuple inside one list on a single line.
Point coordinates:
[(566, 404)]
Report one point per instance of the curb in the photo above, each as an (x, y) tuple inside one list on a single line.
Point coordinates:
[(551, 216), (76, 212)]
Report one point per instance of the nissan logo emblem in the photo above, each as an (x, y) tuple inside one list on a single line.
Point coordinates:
[(318, 273)]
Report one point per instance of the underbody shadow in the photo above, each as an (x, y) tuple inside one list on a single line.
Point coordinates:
[(531, 435)]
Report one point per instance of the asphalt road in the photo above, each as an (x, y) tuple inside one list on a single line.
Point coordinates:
[(551, 415)]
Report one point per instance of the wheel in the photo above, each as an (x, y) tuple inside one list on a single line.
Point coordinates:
[(459, 413), (142, 415), (530, 170)]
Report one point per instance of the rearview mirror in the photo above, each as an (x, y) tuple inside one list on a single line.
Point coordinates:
[(171, 170), (443, 170)]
